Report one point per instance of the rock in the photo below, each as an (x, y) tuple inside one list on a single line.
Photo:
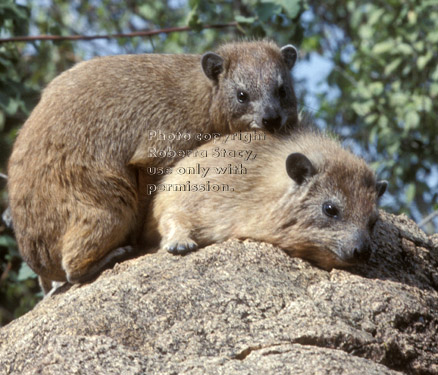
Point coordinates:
[(241, 308)]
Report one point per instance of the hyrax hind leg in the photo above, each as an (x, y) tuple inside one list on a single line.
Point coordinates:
[(176, 234), (93, 241)]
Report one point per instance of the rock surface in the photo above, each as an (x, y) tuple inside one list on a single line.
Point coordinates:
[(241, 308)]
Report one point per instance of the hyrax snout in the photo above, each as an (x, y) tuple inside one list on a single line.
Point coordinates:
[(75, 170), (305, 194)]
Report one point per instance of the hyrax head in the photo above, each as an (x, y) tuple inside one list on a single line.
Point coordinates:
[(330, 209), (253, 85)]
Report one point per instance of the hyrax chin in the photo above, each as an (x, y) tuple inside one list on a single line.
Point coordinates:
[(74, 181), (305, 194)]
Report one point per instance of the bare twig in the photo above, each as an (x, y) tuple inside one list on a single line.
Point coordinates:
[(428, 218), (112, 36), (6, 271)]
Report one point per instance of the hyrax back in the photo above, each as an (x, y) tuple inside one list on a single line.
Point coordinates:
[(73, 173), (305, 194)]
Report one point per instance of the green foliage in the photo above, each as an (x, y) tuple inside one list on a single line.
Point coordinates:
[(19, 290), (385, 71)]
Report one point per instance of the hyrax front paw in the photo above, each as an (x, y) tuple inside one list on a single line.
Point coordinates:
[(181, 247)]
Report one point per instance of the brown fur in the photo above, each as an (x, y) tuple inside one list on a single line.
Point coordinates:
[(268, 205), (74, 182)]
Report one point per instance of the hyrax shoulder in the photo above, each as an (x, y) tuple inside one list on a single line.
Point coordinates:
[(73, 173), (305, 194)]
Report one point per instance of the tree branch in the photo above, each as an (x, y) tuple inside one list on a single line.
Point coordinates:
[(112, 36), (428, 218)]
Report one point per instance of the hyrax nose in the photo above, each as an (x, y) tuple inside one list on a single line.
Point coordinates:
[(361, 253), (271, 122)]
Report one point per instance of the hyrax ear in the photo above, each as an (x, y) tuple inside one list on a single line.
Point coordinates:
[(299, 167), (290, 54), (212, 65), (381, 187)]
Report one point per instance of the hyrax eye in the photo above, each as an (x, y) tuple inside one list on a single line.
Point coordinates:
[(282, 92), (242, 96), (330, 210)]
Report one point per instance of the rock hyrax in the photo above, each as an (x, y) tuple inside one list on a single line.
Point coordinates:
[(306, 194), (74, 181)]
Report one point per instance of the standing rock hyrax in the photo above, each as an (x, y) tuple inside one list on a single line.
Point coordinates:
[(74, 181), (305, 194)]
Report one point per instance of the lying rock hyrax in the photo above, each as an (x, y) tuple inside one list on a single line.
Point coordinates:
[(305, 194), (74, 186)]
